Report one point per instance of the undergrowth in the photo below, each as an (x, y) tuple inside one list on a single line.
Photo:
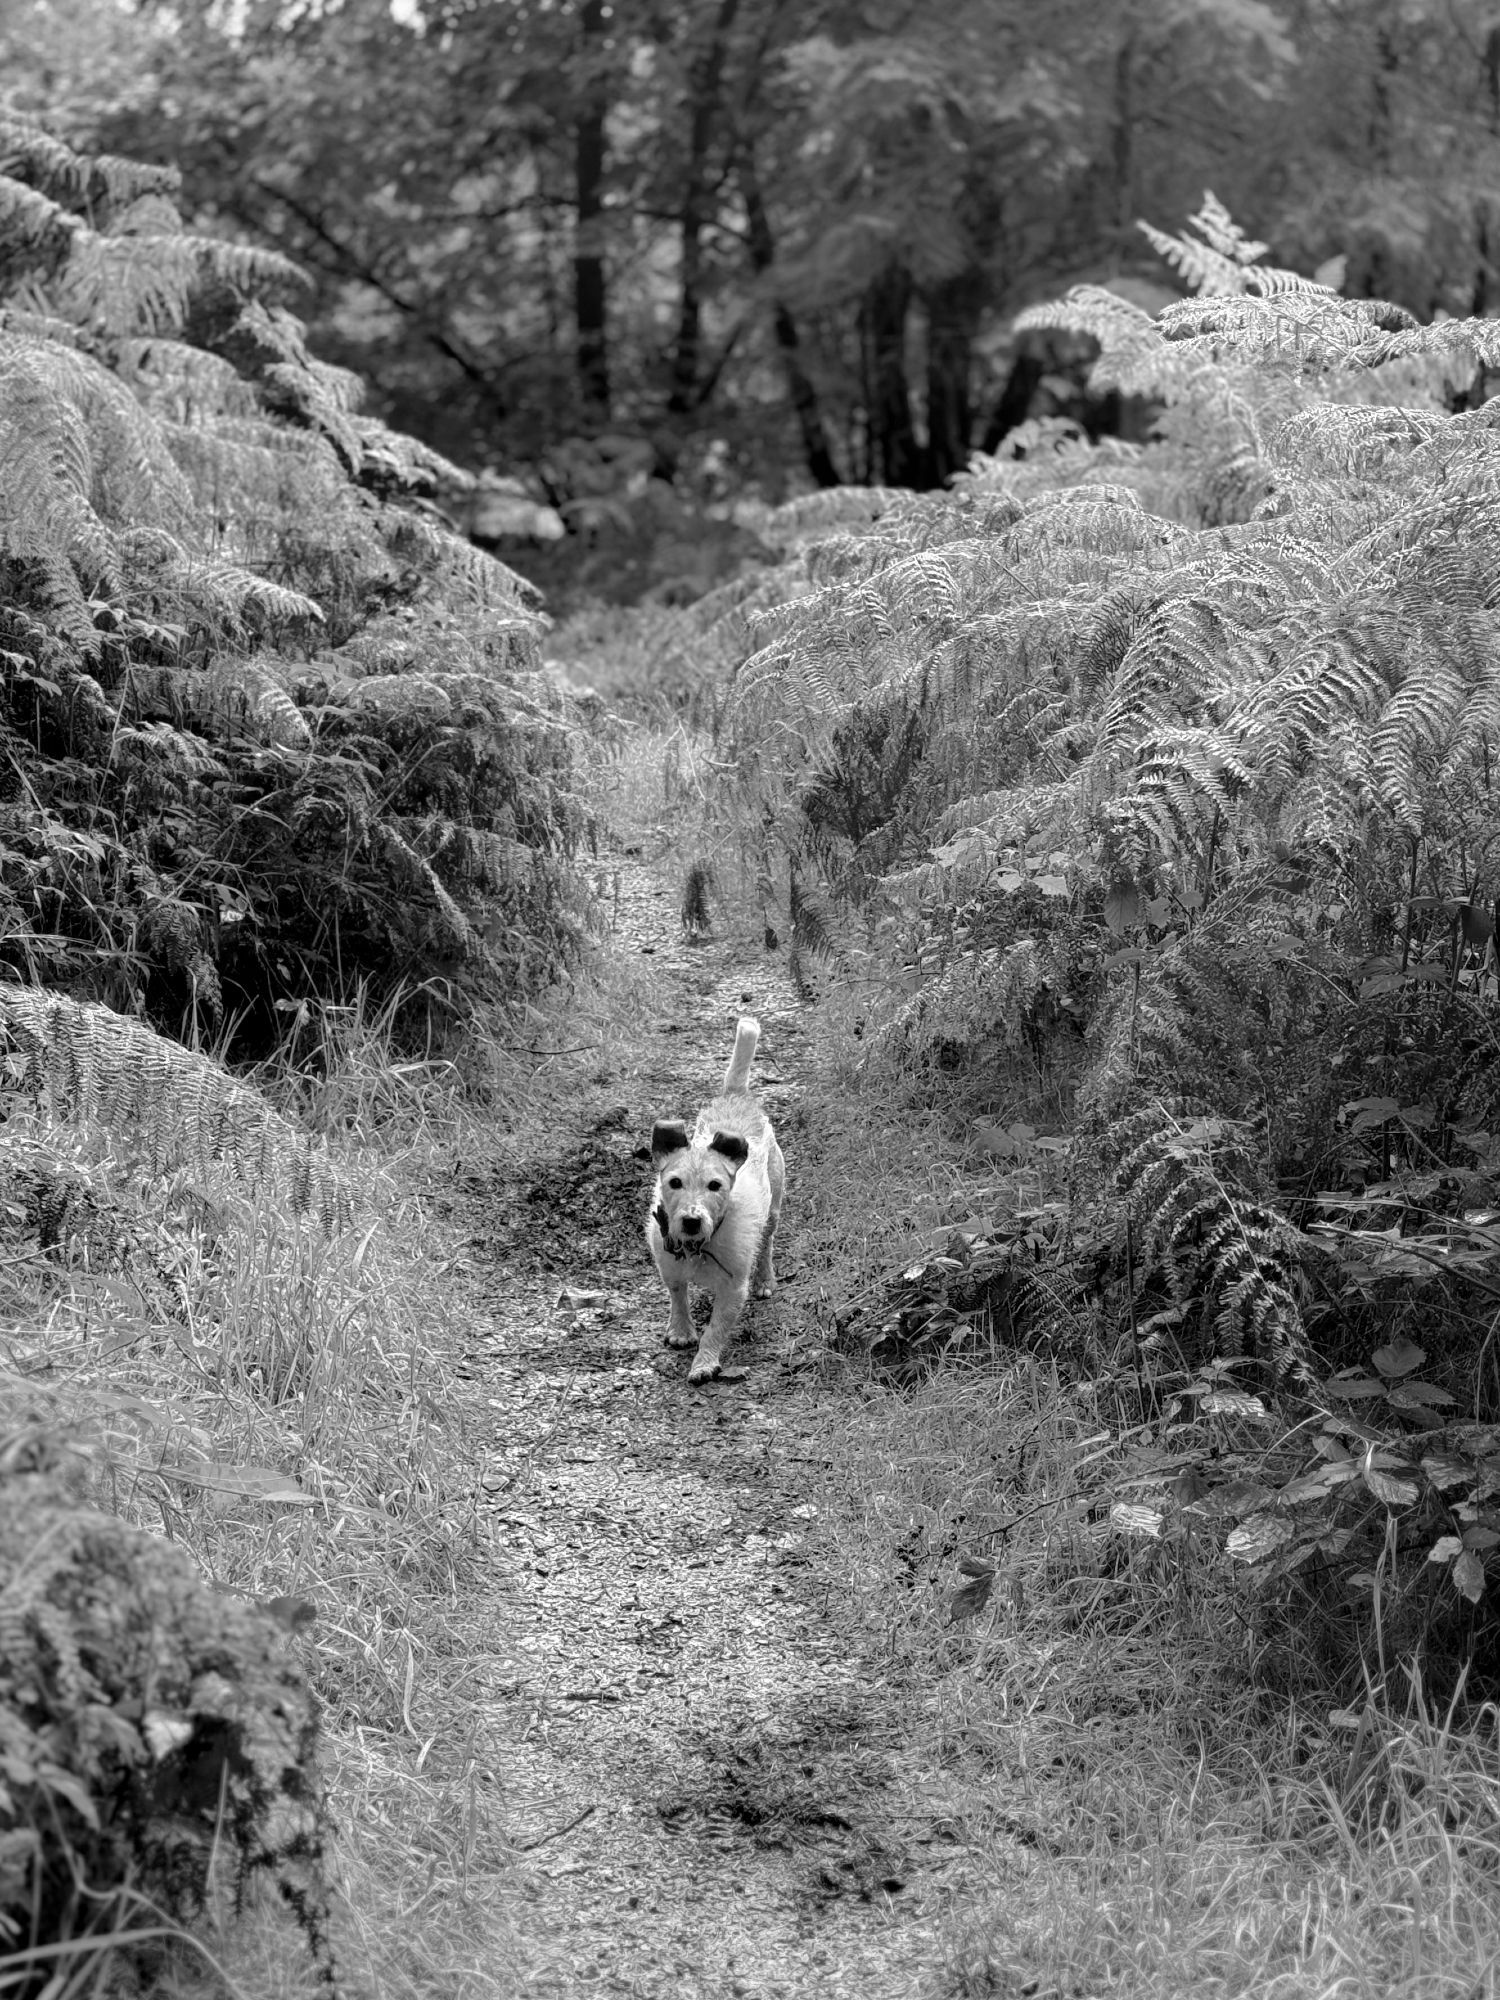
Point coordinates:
[(1172, 1799), (270, 729), (281, 775), (248, 1423), (1140, 800)]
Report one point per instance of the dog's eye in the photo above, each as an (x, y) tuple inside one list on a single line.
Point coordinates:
[(674, 1182), (714, 1186)]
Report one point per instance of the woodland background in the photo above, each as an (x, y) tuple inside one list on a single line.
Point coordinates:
[(778, 242)]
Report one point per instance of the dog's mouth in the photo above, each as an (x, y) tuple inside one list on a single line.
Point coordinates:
[(688, 1246), (677, 1242)]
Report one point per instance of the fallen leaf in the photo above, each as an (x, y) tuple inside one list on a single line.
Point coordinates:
[(1468, 1576), (1232, 1403), (971, 1598), (570, 1299), (1259, 1537), (252, 1482), (295, 1614), (1132, 1519)]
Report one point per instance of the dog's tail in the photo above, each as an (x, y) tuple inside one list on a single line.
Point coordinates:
[(746, 1036)]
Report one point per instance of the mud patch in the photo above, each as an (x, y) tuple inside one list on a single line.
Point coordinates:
[(574, 1214), (807, 1792), (758, 1793)]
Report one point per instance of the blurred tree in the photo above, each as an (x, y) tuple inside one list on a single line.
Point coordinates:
[(1395, 160), (800, 226), (590, 285), (76, 62)]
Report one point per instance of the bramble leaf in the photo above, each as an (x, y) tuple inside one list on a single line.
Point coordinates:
[(1392, 1491), (1468, 1576), (1398, 1357), (1261, 1536), (1418, 1396)]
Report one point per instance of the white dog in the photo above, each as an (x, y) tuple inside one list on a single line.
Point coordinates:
[(715, 1207)]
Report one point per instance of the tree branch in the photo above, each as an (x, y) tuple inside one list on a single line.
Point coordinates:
[(357, 266)]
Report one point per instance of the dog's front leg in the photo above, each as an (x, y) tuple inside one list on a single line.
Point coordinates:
[(680, 1321), (728, 1306)]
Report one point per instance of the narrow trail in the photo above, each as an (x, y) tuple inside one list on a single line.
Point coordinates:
[(709, 1793)]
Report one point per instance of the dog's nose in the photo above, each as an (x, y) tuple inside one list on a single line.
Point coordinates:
[(690, 1225)]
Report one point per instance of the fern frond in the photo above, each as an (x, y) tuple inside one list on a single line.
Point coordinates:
[(448, 931), (245, 697), (33, 227), (214, 593), (131, 473), (405, 464), (106, 1069), (832, 508), (1182, 1178), (27, 147)]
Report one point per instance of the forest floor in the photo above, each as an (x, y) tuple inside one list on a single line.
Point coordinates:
[(708, 1788)]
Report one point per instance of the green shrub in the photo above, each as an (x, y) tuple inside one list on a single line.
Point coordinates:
[(269, 729), (146, 1722), (1152, 787)]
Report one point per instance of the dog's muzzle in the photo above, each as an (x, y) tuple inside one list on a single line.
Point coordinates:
[(680, 1242)]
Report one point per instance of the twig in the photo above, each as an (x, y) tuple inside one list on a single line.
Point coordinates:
[(525, 1846)]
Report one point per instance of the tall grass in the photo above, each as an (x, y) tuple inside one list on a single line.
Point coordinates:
[(281, 1402), (1155, 1818)]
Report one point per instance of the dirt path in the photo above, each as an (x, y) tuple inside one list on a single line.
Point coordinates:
[(711, 1795)]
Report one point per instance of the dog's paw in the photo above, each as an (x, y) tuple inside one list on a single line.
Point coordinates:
[(704, 1370), (673, 1338), (765, 1291)]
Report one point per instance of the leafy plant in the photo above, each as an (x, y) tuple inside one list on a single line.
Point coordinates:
[(1191, 830), (269, 728), (146, 1722)]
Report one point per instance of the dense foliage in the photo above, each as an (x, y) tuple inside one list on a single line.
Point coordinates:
[(802, 230), (146, 1722), (1152, 790), (269, 729)]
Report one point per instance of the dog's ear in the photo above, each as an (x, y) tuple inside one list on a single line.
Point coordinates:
[(731, 1145), (668, 1135)]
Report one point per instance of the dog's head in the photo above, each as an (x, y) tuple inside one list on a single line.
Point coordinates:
[(693, 1184)]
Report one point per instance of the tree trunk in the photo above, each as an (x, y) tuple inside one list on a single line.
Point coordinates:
[(1479, 303), (1122, 143), (895, 459), (815, 446), (705, 87), (589, 282), (1026, 372), (952, 317)]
